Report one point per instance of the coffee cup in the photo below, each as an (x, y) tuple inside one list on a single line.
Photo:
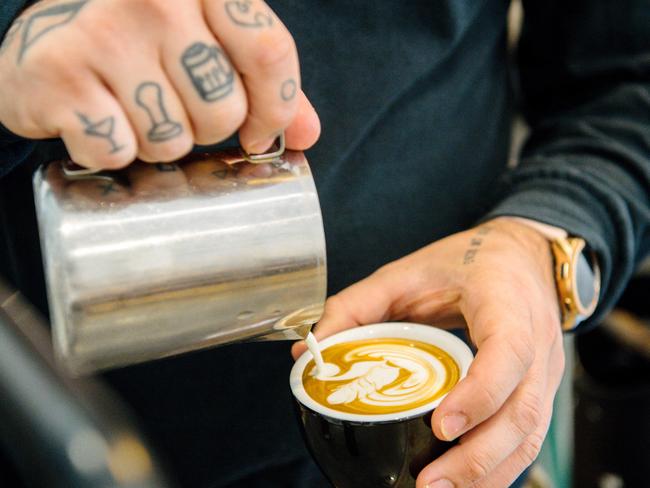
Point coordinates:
[(368, 422)]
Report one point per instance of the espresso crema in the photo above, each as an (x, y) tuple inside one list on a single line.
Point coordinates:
[(380, 376)]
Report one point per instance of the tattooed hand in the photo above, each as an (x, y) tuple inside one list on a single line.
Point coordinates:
[(502, 409), (120, 79)]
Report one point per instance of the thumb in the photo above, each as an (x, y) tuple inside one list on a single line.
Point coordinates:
[(304, 130), (365, 302)]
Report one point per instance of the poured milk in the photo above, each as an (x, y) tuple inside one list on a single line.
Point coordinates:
[(322, 369)]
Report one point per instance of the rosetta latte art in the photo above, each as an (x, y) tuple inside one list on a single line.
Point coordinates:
[(380, 376)]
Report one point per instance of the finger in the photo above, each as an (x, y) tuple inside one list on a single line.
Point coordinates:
[(152, 105), (95, 130), (264, 53), (211, 90), (157, 179), (304, 130), (529, 449), (506, 351), (384, 295), (365, 302), (489, 444)]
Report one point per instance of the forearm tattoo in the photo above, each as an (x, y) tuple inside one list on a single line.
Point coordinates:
[(11, 34), (288, 90), (475, 244), (209, 70), (41, 22), (244, 14), (104, 129), (149, 96)]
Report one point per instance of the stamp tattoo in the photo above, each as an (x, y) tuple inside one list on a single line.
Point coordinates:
[(149, 96)]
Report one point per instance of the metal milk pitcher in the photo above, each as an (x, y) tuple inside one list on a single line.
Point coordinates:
[(158, 259)]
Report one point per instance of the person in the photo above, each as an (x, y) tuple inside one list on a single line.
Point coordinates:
[(415, 101)]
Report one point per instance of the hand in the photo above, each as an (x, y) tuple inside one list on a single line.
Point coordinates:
[(116, 79), (497, 280)]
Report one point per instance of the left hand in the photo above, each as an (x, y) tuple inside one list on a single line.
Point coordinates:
[(497, 280)]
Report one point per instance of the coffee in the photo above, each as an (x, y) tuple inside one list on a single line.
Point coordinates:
[(366, 417), (381, 376)]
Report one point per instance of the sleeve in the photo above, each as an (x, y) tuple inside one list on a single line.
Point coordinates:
[(13, 149), (584, 72)]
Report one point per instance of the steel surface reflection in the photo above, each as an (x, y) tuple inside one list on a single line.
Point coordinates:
[(160, 259)]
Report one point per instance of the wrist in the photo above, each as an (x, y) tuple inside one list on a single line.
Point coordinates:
[(575, 271)]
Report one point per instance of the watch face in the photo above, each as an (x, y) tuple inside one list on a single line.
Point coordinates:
[(585, 282)]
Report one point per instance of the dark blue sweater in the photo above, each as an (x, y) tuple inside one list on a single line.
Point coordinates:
[(416, 101)]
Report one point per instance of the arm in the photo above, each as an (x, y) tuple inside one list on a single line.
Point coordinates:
[(585, 69), (585, 78)]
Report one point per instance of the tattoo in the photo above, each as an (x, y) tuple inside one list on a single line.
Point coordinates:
[(288, 90), (166, 167), (11, 34), (43, 21), (103, 129), (149, 96), (242, 13), (107, 187), (475, 244), (210, 71)]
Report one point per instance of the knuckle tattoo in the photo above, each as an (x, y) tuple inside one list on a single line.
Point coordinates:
[(149, 97), (288, 90), (102, 128), (209, 70), (244, 14)]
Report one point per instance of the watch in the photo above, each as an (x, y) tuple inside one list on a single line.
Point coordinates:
[(577, 281), (578, 285)]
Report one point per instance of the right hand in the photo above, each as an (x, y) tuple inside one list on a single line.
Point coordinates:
[(120, 79)]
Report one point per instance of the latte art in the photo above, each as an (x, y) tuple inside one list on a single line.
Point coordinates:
[(378, 376)]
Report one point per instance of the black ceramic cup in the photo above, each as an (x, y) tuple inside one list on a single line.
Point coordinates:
[(374, 451)]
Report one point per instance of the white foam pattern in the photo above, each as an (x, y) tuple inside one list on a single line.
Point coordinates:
[(367, 379)]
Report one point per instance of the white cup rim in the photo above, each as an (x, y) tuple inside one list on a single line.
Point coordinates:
[(455, 347)]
